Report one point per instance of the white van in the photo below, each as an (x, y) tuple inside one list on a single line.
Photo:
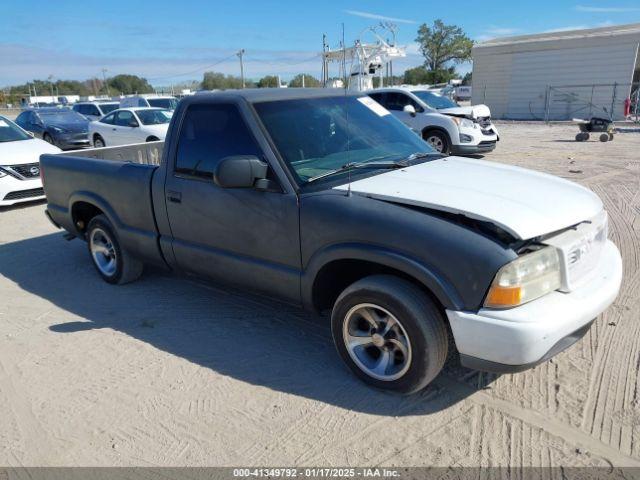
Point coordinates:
[(150, 100)]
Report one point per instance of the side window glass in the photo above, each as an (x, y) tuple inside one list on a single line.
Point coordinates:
[(209, 133), (393, 101), (93, 110), (124, 118), (108, 119)]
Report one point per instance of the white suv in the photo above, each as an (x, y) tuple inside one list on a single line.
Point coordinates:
[(448, 127)]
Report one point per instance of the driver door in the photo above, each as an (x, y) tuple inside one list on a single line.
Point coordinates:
[(123, 131), (240, 236)]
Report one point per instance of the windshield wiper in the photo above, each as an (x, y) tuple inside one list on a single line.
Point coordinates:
[(349, 166), (377, 162)]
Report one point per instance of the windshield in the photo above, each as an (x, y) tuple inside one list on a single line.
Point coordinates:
[(61, 116), (168, 103), (154, 117), (318, 135), (10, 132), (434, 100), (108, 107)]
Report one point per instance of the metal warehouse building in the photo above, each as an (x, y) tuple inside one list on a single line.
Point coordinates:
[(560, 75)]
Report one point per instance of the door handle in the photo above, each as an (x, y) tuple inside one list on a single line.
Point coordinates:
[(175, 197)]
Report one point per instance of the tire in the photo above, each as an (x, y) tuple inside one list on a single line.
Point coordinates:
[(48, 138), (98, 142), (403, 357), (604, 137), (582, 137), (112, 263), (610, 136), (438, 140), (152, 139)]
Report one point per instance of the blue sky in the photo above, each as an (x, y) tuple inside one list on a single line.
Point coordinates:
[(170, 42)]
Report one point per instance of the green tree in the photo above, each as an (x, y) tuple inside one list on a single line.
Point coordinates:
[(421, 76), (309, 81), (128, 84), (441, 45), (466, 80), (220, 81), (268, 81)]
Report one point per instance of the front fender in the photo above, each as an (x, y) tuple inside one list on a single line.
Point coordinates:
[(426, 275)]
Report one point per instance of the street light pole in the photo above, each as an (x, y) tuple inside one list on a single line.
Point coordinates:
[(104, 77), (240, 54)]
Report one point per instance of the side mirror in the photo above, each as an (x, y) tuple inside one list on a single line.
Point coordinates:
[(240, 171), (133, 124), (410, 109)]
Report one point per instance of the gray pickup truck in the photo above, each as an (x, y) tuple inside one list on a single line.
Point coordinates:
[(323, 199)]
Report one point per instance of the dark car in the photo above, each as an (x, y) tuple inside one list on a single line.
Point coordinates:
[(59, 126)]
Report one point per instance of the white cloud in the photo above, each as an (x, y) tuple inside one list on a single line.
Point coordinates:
[(567, 28), (493, 32), (590, 9), (375, 16)]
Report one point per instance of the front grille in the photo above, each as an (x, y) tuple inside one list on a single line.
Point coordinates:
[(34, 192), (484, 121), (27, 170)]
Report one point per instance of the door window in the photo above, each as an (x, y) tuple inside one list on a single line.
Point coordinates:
[(109, 119), (210, 133), (124, 118)]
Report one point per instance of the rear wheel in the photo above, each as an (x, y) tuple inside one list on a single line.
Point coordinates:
[(582, 137), (390, 333), (438, 141), (98, 142), (113, 264)]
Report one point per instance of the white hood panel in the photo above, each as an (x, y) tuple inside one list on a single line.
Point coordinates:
[(474, 111), (24, 151), (523, 202)]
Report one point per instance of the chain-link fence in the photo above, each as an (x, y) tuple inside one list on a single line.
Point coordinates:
[(612, 101)]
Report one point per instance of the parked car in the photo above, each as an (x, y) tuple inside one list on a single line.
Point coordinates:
[(447, 127), (95, 110), (150, 100), (61, 127), (326, 200), (130, 125), (19, 164)]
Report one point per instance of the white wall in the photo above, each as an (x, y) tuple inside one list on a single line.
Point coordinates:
[(512, 79)]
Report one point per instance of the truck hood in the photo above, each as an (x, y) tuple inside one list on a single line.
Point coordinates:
[(522, 202), (24, 151), (475, 111)]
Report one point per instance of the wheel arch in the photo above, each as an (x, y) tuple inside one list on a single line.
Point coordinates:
[(332, 270), (437, 128), (83, 206)]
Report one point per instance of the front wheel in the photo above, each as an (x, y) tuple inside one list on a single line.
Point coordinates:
[(390, 333), (438, 141), (48, 138), (113, 264), (98, 142)]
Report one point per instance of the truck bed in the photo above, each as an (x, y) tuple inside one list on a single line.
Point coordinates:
[(117, 180)]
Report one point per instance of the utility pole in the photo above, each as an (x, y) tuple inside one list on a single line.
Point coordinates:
[(240, 54), (50, 78), (104, 77)]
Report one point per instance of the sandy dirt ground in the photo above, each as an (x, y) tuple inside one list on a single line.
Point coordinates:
[(168, 371)]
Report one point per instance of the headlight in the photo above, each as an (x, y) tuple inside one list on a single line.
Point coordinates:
[(463, 122), (524, 279), (58, 129)]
